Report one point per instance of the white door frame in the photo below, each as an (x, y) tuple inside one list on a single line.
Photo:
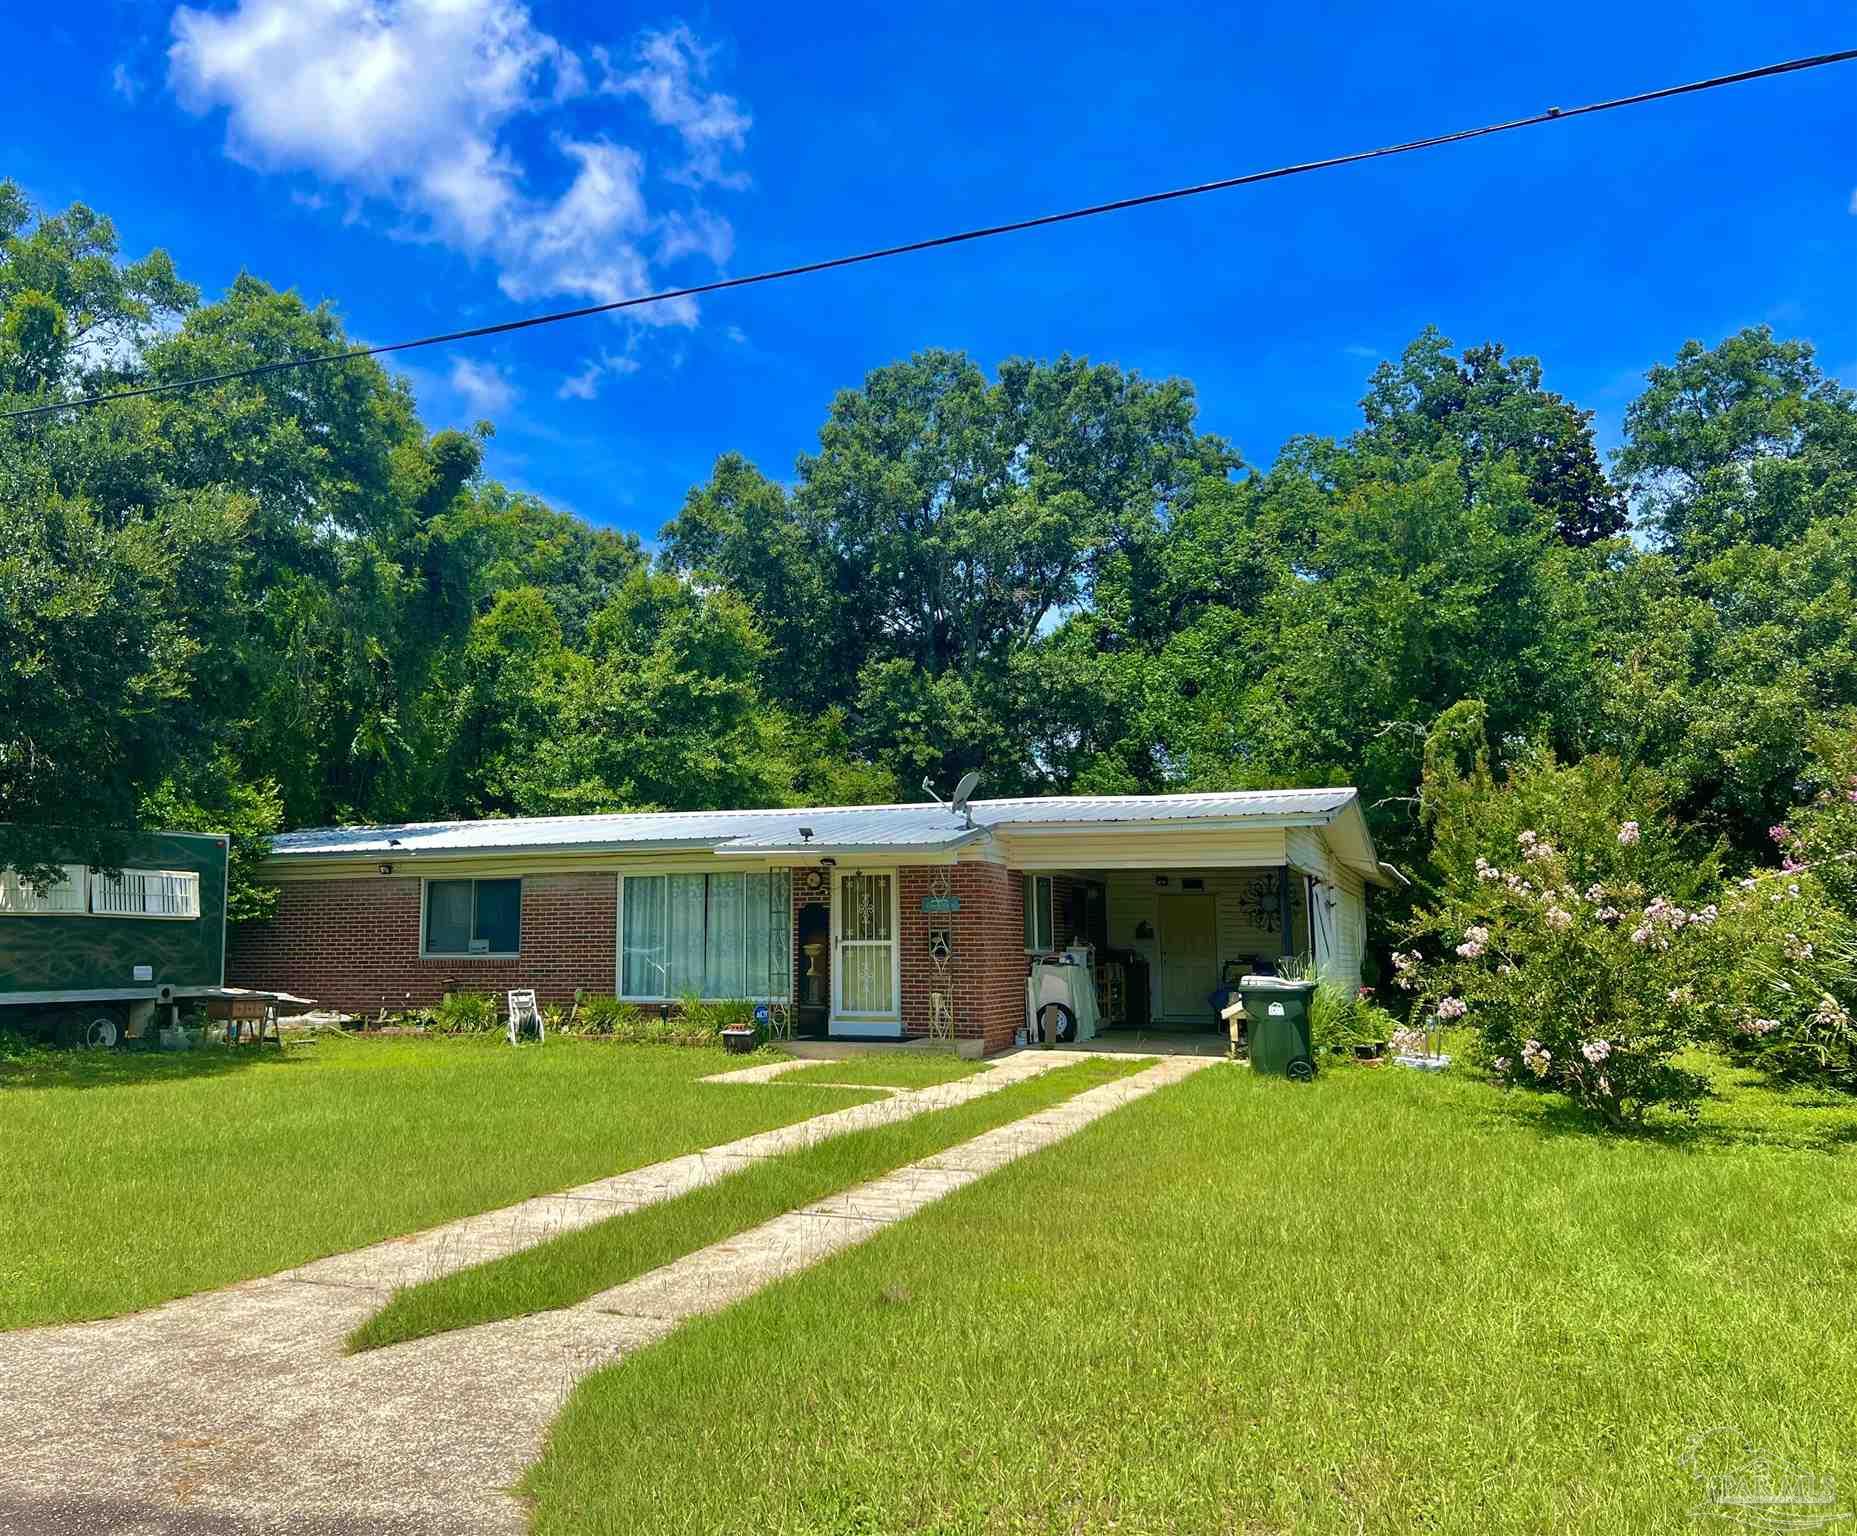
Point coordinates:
[(886, 1024)]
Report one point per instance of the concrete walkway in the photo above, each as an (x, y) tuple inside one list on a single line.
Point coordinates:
[(234, 1413), (476, 1239)]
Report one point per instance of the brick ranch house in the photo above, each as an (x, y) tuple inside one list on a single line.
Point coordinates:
[(866, 922)]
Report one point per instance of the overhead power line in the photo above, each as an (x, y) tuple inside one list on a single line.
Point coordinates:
[(986, 232)]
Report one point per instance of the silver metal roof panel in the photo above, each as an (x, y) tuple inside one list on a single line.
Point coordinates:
[(864, 828)]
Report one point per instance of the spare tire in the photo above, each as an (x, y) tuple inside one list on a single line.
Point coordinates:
[(1065, 1023)]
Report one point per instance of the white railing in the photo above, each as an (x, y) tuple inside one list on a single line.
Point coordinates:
[(146, 893)]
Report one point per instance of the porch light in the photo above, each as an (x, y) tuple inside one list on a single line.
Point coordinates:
[(386, 869)]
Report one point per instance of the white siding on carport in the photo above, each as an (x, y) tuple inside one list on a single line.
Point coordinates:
[(1345, 927)]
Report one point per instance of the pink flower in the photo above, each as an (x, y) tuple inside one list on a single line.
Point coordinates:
[(1526, 839), (1452, 1008), (1535, 1058), (1559, 919), (1780, 834), (1628, 835), (1500, 1064), (1596, 1051), (1487, 870)]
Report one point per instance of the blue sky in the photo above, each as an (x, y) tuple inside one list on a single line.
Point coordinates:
[(450, 162)]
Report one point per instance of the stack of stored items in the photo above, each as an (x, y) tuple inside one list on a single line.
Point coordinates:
[(1112, 991)]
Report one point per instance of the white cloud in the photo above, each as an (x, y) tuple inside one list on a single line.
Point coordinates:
[(1853, 204), (413, 103), (698, 232), (125, 84), (484, 387), (670, 67), (585, 385)]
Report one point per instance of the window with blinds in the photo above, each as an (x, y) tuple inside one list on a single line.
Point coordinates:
[(145, 893)]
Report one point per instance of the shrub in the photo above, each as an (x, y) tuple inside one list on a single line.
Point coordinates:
[(466, 1013), (1589, 992), (608, 1016), (1788, 991), (1341, 1018), (694, 1023)]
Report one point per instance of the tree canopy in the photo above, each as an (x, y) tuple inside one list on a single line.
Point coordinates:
[(280, 601)]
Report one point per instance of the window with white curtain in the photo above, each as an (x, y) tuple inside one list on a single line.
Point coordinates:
[(18, 896), (709, 936)]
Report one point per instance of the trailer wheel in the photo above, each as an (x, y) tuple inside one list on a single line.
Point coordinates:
[(97, 1027)]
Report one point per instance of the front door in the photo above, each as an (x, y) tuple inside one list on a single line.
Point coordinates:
[(864, 977), (1189, 956)]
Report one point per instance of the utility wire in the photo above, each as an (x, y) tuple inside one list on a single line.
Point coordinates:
[(1552, 114)]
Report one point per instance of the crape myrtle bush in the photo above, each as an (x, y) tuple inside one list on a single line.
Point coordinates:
[(1792, 990), (1569, 928)]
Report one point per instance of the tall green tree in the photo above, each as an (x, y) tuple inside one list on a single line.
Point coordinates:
[(944, 522), (1748, 442)]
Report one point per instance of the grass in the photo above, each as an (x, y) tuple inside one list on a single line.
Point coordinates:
[(135, 1177), (909, 1069), (569, 1268), (1388, 1302)]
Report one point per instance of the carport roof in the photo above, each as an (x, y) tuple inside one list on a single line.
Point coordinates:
[(834, 829)]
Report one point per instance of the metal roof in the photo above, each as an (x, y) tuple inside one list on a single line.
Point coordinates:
[(856, 829)]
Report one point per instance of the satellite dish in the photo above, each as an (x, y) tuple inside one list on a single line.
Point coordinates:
[(963, 792)]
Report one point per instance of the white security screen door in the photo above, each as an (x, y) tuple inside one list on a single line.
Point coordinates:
[(864, 916)]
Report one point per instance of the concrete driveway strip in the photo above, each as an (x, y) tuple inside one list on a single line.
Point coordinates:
[(234, 1413)]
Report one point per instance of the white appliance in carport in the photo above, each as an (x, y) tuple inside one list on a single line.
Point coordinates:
[(1068, 980)]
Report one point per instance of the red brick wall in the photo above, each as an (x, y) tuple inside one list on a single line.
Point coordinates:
[(354, 944), (988, 938)]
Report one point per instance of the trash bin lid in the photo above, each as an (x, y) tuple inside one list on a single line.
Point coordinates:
[(1273, 984)]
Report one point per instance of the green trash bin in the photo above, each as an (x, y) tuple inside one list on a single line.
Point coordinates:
[(1277, 1014)]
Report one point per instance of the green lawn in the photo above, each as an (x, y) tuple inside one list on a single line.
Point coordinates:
[(1383, 1303), (908, 1069), (132, 1178), (578, 1264)]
